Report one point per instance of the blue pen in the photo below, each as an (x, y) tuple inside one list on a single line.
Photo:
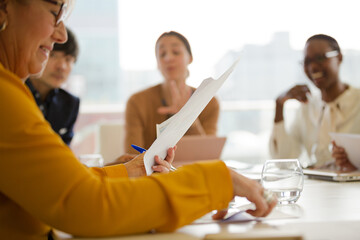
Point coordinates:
[(141, 150), (137, 148)]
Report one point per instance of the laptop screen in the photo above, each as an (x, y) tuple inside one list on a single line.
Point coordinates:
[(194, 148)]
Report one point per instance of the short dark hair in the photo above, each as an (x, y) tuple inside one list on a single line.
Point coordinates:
[(179, 36), (332, 42), (70, 47)]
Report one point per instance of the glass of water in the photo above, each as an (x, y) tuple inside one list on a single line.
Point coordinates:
[(92, 160), (285, 178)]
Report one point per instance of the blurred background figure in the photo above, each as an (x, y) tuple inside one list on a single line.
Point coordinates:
[(156, 104), (336, 109), (60, 108)]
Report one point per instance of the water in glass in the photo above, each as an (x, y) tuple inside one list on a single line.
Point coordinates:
[(284, 177)]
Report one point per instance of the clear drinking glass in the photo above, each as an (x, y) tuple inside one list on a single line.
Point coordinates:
[(92, 160), (285, 178)]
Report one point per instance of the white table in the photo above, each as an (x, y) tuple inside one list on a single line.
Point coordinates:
[(325, 210)]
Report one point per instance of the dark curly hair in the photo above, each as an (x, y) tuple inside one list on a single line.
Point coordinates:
[(332, 42)]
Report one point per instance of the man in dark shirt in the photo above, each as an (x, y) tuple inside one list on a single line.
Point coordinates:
[(59, 107)]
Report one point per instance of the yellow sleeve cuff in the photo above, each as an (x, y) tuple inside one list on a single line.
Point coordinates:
[(219, 183), (115, 171)]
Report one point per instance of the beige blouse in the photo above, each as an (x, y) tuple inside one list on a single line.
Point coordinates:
[(309, 132)]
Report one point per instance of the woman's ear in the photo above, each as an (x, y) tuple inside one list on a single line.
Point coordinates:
[(340, 56), (190, 60)]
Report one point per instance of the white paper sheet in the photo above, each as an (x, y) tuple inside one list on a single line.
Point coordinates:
[(172, 130), (238, 214), (351, 144)]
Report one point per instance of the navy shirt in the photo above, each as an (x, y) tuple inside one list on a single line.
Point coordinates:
[(60, 109)]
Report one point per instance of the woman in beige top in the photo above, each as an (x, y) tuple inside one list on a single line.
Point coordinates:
[(154, 105)]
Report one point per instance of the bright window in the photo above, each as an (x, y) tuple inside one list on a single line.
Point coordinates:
[(117, 57)]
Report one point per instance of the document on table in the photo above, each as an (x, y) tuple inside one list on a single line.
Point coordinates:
[(238, 214), (172, 130)]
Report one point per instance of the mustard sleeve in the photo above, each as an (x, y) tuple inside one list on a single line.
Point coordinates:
[(201, 191), (118, 170), (43, 185)]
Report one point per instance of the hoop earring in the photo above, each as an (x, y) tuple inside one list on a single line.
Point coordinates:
[(3, 26)]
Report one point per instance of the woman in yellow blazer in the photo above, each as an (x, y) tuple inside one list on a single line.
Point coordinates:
[(43, 185)]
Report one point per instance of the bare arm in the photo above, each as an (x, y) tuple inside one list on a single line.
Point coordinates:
[(297, 92)]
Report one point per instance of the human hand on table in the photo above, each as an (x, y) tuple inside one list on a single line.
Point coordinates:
[(254, 192)]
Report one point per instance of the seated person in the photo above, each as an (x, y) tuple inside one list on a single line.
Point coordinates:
[(156, 104), (336, 110), (42, 184), (59, 107)]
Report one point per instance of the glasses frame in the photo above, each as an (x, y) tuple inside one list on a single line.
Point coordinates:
[(61, 15), (321, 59)]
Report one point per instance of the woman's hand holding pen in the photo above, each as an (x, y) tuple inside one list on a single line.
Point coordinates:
[(136, 167)]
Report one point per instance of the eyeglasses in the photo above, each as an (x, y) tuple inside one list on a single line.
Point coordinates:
[(321, 58), (61, 15)]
